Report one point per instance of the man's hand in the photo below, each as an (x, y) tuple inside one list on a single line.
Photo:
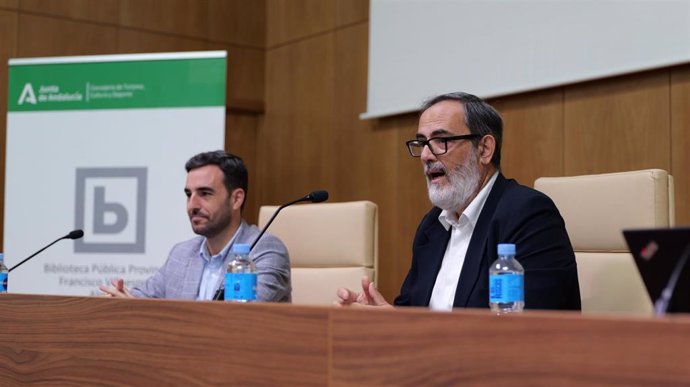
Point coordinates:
[(368, 297), (117, 290)]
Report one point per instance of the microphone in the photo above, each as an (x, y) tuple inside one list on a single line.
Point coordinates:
[(314, 197), (75, 234)]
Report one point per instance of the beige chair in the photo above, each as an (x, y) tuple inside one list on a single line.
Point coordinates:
[(331, 245), (596, 208)]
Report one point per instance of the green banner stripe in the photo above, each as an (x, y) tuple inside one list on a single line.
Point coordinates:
[(117, 85)]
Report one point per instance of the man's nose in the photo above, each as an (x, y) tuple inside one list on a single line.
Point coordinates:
[(192, 202), (427, 154)]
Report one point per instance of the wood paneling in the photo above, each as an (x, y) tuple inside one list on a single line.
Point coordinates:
[(245, 77), (365, 156), (533, 135), (618, 124), (241, 131), (680, 141), (69, 341), (403, 199), (45, 36), (351, 11), (290, 20), (8, 49), (238, 22), (296, 141), (133, 41), (13, 4), (357, 152), (177, 17), (472, 348), (103, 11)]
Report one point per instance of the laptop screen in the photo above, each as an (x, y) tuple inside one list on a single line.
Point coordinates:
[(657, 253)]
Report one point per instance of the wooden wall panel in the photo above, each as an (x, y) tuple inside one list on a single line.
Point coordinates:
[(102, 11), (680, 141), (245, 77), (238, 22), (410, 347), (241, 131), (135, 41), (409, 201), (296, 141), (290, 20), (618, 124), (90, 341), (351, 11), (12, 4), (358, 156), (46, 36), (533, 136), (177, 17), (9, 22), (365, 155)]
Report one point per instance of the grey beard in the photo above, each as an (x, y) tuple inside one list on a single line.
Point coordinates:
[(463, 183)]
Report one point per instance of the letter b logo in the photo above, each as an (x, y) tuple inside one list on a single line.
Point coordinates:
[(111, 209)]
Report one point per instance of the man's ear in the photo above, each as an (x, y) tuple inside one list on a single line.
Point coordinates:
[(487, 147), (237, 197)]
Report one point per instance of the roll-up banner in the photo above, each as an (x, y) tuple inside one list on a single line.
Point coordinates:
[(99, 143)]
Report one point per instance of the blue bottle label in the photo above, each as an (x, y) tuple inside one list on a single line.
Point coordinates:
[(504, 288), (3, 282), (240, 286)]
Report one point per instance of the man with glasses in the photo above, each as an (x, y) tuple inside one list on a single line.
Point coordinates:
[(475, 208)]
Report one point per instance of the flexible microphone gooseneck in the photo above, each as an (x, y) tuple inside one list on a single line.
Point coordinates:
[(661, 304), (313, 197), (76, 234)]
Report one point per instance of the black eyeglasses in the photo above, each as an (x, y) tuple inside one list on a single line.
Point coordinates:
[(437, 145)]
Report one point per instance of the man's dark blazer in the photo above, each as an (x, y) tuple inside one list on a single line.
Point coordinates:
[(512, 213)]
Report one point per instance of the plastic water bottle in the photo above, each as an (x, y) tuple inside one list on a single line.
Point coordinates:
[(506, 281), (240, 278), (3, 274)]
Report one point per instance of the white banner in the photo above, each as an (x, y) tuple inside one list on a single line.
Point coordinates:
[(99, 144)]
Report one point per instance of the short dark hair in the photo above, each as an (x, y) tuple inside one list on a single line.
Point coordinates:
[(480, 117), (234, 171)]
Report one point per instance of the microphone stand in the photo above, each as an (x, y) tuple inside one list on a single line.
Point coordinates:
[(314, 197), (76, 234)]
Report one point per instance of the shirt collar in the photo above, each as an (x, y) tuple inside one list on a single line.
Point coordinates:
[(206, 255), (473, 210)]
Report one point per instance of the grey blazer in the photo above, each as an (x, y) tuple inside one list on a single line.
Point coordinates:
[(180, 276)]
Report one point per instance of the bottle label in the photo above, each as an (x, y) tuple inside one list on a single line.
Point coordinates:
[(506, 288), (3, 282), (240, 286)]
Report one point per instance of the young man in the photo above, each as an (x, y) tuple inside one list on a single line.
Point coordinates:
[(216, 189)]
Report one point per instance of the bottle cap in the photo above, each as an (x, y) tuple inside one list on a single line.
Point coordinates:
[(506, 249), (240, 248)]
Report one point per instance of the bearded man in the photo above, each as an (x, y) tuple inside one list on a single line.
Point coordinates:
[(475, 208), (216, 189)]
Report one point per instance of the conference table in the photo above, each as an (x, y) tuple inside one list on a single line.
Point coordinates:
[(95, 341)]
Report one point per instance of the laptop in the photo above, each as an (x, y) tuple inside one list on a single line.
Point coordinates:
[(657, 253)]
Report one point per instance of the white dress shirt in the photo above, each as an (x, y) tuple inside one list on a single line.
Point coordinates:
[(214, 269), (443, 295)]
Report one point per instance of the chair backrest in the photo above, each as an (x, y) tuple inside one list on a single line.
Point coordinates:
[(331, 245), (596, 208)]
